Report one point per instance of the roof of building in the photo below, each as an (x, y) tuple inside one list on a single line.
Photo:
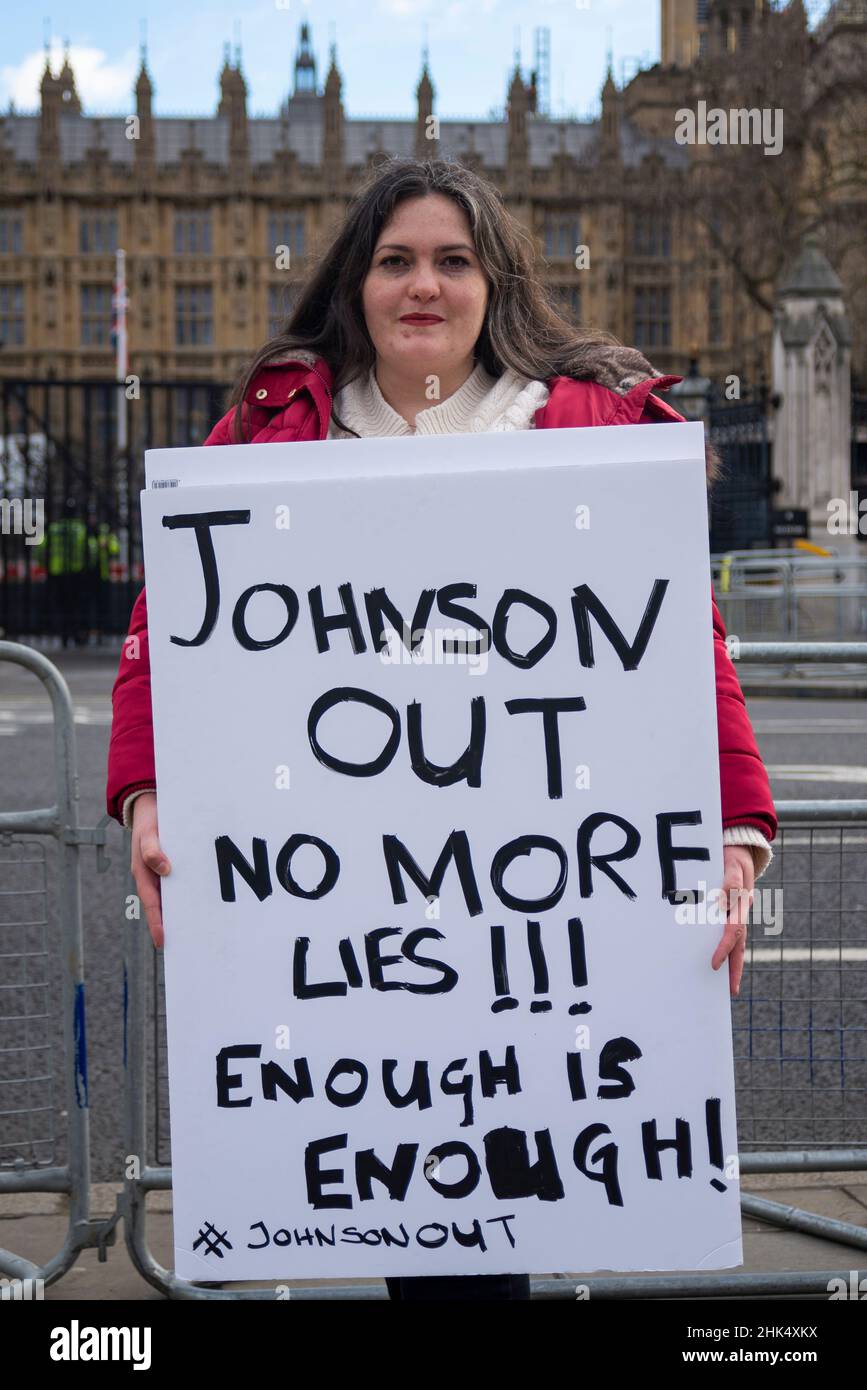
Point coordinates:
[(301, 129), (812, 274)]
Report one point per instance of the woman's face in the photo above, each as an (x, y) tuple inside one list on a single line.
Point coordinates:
[(424, 263)]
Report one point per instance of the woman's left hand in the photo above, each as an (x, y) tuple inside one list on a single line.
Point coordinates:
[(738, 883)]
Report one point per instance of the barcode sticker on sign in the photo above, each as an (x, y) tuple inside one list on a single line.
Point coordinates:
[(166, 482)]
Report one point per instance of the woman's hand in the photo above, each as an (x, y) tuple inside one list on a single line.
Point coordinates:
[(148, 862), (739, 880)]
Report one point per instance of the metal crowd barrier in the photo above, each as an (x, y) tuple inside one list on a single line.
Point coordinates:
[(41, 981), (802, 1011), (793, 594)]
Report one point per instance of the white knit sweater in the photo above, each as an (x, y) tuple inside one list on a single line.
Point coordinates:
[(484, 403)]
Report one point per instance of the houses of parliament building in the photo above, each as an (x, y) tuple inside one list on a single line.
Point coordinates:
[(201, 205)]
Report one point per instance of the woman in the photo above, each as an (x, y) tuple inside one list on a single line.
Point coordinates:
[(426, 316)]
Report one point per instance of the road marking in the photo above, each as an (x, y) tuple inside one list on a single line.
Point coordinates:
[(839, 838), (13, 721), (815, 772), (778, 954), (809, 726)]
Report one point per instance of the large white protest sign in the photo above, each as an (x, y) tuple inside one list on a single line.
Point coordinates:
[(435, 751)]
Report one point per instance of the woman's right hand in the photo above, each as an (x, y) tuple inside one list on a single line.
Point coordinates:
[(149, 862)]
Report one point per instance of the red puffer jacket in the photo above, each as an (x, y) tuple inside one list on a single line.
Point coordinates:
[(292, 400)]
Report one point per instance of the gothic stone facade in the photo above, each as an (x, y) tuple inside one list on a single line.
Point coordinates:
[(200, 207)]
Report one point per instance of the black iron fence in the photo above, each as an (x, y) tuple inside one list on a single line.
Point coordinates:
[(70, 534), (70, 538), (741, 500)]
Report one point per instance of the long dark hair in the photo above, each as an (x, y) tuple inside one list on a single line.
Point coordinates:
[(522, 328)]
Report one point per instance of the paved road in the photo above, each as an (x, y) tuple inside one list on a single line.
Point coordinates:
[(813, 748)]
